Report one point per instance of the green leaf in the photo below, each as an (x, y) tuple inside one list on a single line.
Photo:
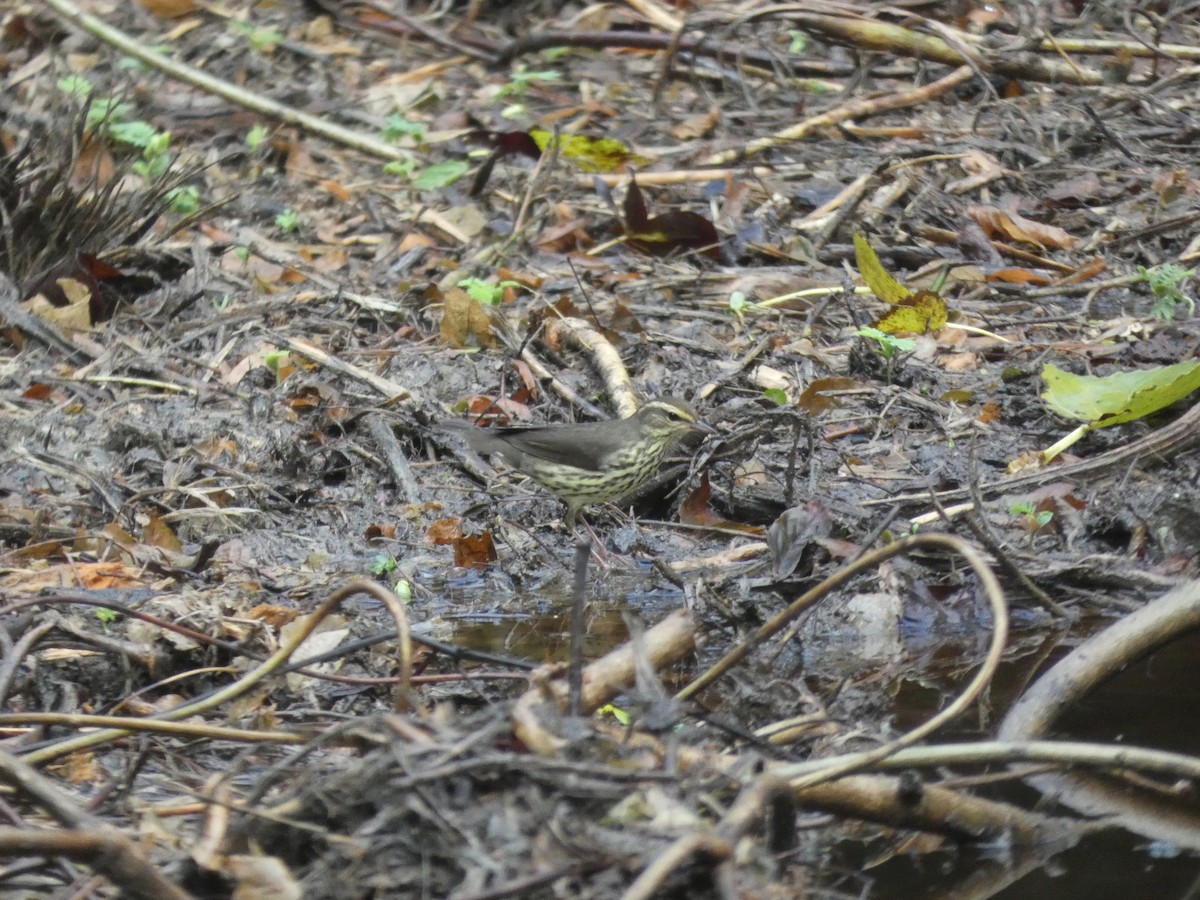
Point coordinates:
[(184, 200), (288, 220), (488, 293), (76, 85), (1120, 397), (402, 167), (257, 136), (778, 396), (138, 134), (440, 175), (397, 127)]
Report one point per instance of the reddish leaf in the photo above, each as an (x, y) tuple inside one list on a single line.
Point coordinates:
[(636, 217), (1018, 276), (39, 392), (475, 551), (444, 531), (677, 232), (508, 143), (695, 510), (815, 398)]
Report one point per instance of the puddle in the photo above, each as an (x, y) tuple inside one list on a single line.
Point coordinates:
[(1153, 703)]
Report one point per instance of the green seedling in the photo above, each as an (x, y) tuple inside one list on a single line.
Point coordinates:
[(288, 220), (887, 345), (1164, 283), (1033, 519)]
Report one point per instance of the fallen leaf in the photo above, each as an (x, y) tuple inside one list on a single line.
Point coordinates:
[(921, 313), (1119, 397), (475, 551), (697, 126), (1016, 227), (465, 321)]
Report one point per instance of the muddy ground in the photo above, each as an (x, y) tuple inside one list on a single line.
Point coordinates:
[(221, 383)]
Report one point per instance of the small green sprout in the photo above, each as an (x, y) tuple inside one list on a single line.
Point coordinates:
[(1033, 518), (398, 127), (257, 136), (489, 293), (1164, 283), (521, 78), (888, 344), (288, 220)]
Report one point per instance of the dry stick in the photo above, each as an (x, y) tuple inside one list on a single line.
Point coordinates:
[(390, 389), (1173, 614), (694, 843), (508, 336), (837, 766), (605, 358), (14, 653), (256, 675), (1146, 760), (756, 801), (853, 109), (1100, 657), (385, 440), (897, 40), (641, 40), (690, 176), (108, 850), (231, 92), (665, 643), (154, 726), (941, 810), (583, 553), (300, 668)]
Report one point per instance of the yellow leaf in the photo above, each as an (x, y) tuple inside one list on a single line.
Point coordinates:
[(589, 153), (923, 312), (883, 285)]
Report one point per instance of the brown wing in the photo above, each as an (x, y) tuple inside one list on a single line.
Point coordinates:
[(587, 448)]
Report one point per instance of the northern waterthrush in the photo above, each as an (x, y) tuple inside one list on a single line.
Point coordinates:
[(593, 461)]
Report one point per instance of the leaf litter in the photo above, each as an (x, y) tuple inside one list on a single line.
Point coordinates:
[(247, 416)]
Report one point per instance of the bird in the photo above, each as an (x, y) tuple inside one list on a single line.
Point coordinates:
[(590, 462)]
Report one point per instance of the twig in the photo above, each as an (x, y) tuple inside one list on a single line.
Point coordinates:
[(385, 440), (140, 50), (852, 110)]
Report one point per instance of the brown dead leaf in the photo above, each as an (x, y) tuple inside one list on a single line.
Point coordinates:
[(474, 551), (464, 321), (697, 126), (75, 316), (444, 531), (1012, 226), (816, 397), (564, 237), (158, 533), (272, 614), (981, 168), (98, 576), (43, 393)]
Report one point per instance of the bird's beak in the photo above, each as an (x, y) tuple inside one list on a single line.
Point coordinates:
[(703, 428)]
